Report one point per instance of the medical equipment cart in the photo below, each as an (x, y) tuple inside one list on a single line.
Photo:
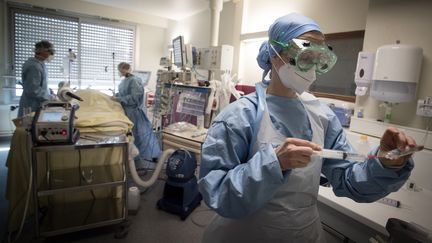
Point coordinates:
[(70, 195)]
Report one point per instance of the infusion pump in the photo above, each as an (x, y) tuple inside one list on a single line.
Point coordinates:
[(54, 124)]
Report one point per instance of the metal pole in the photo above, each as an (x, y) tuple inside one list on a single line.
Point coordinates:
[(113, 58)]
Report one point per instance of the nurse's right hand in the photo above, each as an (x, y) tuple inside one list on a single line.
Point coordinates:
[(295, 153)]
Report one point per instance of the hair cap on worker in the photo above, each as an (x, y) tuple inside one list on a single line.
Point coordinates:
[(283, 29), (124, 66), (44, 45)]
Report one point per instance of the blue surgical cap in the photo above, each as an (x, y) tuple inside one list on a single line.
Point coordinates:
[(283, 29)]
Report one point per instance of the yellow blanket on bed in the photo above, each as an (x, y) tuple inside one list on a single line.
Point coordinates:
[(98, 113)]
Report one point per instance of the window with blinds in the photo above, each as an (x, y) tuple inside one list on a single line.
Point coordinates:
[(102, 49), (98, 45)]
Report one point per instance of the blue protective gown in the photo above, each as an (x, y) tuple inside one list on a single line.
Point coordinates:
[(236, 184), (131, 94), (35, 85)]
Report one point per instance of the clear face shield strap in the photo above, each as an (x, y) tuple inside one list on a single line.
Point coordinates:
[(272, 47)]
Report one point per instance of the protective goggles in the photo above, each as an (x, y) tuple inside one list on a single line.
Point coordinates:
[(305, 54), (49, 50)]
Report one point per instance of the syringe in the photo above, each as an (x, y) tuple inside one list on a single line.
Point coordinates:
[(337, 154)]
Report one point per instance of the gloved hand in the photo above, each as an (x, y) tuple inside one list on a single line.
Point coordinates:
[(115, 98), (295, 153), (395, 139)]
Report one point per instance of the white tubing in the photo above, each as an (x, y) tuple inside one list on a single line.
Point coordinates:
[(165, 155)]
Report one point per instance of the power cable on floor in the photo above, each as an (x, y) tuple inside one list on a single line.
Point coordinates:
[(198, 213)]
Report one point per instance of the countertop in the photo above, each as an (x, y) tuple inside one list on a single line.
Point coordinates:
[(196, 135), (415, 207)]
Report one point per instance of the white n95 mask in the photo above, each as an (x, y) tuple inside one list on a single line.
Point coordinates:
[(50, 58), (294, 79)]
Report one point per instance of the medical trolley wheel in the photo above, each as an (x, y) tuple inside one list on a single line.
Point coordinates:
[(122, 230)]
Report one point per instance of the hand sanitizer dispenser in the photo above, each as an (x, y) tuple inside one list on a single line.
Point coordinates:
[(363, 74), (396, 73)]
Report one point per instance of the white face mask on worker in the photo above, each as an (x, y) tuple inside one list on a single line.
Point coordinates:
[(294, 79), (49, 58)]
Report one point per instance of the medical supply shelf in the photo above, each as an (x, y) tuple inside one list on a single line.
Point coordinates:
[(102, 179), (73, 201)]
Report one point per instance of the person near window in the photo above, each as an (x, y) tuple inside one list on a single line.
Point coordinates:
[(130, 96), (257, 170), (34, 78)]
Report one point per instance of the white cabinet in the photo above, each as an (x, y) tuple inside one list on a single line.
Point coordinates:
[(6, 115), (339, 227)]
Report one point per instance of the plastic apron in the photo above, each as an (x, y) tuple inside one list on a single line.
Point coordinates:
[(292, 214)]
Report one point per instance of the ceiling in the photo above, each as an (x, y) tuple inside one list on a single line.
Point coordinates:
[(170, 9)]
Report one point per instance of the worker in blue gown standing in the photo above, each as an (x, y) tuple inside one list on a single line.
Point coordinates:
[(35, 78), (257, 169), (131, 97)]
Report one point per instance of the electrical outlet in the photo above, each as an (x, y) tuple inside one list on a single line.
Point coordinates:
[(424, 107)]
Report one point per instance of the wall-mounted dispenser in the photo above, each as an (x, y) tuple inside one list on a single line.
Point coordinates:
[(363, 74), (396, 73)]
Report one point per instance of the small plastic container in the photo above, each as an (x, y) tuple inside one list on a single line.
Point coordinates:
[(360, 113), (134, 198), (362, 145)]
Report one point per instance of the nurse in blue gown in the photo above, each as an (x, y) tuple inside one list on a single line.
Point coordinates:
[(131, 97), (257, 169), (35, 78)]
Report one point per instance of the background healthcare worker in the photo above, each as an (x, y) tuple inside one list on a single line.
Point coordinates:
[(34, 78), (131, 97), (257, 170)]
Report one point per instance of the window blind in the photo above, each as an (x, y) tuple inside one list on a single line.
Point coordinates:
[(99, 45), (102, 49)]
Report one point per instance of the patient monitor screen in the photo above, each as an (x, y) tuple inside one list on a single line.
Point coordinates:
[(51, 116), (178, 48)]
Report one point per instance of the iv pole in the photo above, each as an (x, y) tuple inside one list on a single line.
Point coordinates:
[(71, 57), (69, 66), (113, 58)]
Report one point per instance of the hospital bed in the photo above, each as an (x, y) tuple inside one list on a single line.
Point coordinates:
[(78, 186)]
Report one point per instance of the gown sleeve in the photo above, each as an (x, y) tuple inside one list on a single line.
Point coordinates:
[(365, 181)]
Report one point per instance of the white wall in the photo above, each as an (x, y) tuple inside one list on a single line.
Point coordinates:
[(150, 31), (332, 15), (194, 29), (409, 22)]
